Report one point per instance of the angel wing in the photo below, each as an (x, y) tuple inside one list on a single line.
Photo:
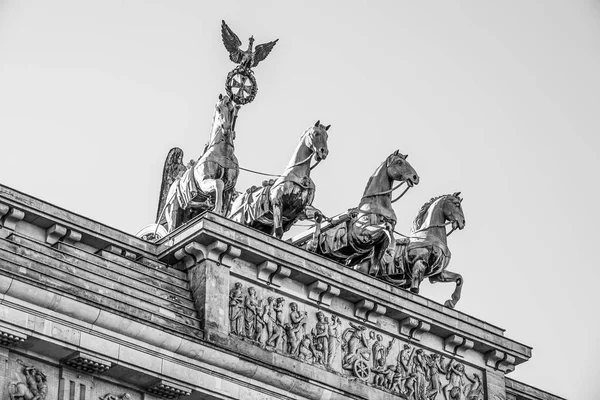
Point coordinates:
[(171, 171), (232, 43), (262, 51)]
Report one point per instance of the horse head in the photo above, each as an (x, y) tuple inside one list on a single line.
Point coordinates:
[(225, 112), (315, 138), (400, 170), (453, 211)]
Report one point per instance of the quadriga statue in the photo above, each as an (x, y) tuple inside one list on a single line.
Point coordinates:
[(425, 253), (277, 205), (206, 184), (364, 238)]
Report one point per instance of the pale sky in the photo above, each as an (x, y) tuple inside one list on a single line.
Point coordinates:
[(497, 99)]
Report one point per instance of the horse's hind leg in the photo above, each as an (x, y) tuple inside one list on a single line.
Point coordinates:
[(418, 270), (448, 276)]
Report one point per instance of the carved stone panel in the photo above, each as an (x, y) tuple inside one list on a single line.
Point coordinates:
[(30, 379), (356, 350)]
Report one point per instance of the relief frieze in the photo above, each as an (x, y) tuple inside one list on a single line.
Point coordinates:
[(35, 386), (348, 348)]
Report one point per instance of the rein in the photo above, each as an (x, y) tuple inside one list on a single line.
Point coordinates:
[(290, 167), (390, 191), (425, 229)]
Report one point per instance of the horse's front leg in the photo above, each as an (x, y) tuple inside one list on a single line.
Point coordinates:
[(277, 223), (214, 186), (448, 276)]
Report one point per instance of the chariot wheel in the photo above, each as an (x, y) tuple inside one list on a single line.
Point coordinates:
[(241, 85), (361, 370)]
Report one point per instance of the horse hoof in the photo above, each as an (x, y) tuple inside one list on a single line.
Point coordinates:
[(449, 304), (414, 290)]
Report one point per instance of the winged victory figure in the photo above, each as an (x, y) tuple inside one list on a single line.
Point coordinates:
[(172, 170), (246, 58)]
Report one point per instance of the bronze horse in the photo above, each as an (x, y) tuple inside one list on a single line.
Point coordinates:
[(277, 205), (208, 183), (368, 233), (425, 252)]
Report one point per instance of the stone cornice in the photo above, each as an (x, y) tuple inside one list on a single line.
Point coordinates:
[(45, 215), (396, 303), (256, 248)]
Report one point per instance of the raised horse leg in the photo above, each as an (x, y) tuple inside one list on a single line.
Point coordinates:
[(448, 276)]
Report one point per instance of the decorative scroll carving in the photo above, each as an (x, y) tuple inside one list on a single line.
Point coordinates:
[(34, 387), (195, 252), (353, 350), (500, 361), (368, 310), (168, 390), (58, 233), (87, 363), (9, 217), (322, 293), (413, 328), (272, 273), (457, 345)]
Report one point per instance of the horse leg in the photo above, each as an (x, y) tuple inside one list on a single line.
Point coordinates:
[(219, 186), (419, 268), (277, 223), (448, 276)]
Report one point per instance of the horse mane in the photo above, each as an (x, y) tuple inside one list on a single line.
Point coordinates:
[(423, 212), (373, 175)]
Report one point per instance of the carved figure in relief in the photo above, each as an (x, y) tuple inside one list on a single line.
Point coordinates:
[(293, 341), (236, 310), (296, 317), (278, 338), (454, 389), (434, 365), (34, 387), (264, 322), (474, 390), (420, 371), (250, 313), (380, 352), (333, 330), (305, 352), (108, 396), (356, 343), (321, 338)]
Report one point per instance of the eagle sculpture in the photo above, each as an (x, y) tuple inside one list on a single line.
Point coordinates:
[(246, 58)]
